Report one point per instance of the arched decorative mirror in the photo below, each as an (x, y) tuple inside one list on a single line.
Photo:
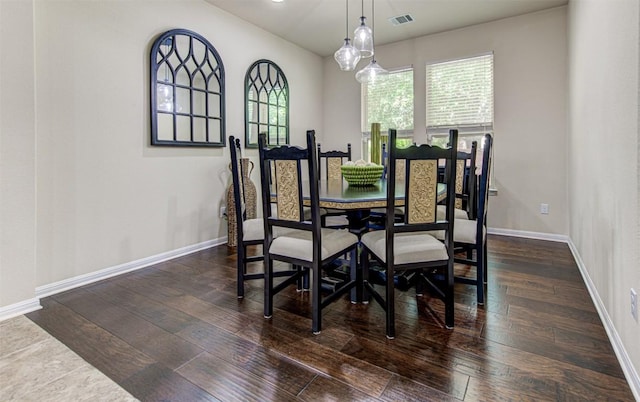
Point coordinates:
[(266, 104), (187, 91)]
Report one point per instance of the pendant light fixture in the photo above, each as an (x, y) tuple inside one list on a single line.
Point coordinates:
[(363, 37), (373, 69), (347, 56)]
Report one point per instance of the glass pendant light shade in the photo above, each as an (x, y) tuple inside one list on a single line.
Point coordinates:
[(347, 56), (363, 39), (370, 72)]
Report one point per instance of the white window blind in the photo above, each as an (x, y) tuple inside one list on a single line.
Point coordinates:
[(389, 101), (460, 95)]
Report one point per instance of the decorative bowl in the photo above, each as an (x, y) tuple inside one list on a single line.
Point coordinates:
[(362, 175)]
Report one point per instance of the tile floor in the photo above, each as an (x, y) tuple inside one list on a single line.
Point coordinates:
[(34, 366)]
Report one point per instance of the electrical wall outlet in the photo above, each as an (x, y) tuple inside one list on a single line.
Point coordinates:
[(223, 212), (634, 304), (544, 209)]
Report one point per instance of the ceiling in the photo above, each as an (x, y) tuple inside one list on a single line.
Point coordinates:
[(319, 25)]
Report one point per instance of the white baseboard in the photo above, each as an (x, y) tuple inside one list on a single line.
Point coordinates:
[(529, 235), (23, 307), (621, 353), (81, 280)]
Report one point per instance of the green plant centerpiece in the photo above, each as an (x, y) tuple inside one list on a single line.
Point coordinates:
[(361, 173)]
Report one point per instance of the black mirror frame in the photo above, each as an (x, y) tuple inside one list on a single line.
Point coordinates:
[(217, 73)]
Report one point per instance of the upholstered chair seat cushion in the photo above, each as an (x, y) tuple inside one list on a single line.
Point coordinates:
[(464, 231), (441, 213), (339, 220), (407, 248), (298, 243), (253, 229)]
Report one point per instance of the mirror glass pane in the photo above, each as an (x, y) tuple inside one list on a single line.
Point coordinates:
[(165, 126)]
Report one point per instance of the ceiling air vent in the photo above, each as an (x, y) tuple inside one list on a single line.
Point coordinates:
[(401, 19)]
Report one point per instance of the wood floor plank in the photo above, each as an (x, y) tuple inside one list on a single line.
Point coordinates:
[(328, 389), (359, 374), (250, 357), (227, 382), (403, 389), (155, 342), (159, 383), (109, 354), (429, 373)]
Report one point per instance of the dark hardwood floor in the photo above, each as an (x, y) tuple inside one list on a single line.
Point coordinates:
[(176, 332)]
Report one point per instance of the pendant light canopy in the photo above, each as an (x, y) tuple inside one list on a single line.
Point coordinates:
[(347, 56), (373, 69)]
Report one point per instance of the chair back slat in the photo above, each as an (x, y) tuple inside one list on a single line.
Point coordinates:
[(460, 168), (333, 160), (334, 171), (281, 175), (421, 195), (288, 189), (420, 164)]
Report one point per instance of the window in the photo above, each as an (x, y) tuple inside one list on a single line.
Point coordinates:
[(460, 95), (266, 104), (389, 101)]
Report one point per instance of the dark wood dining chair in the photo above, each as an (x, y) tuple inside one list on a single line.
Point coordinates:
[(249, 232), (470, 235), (332, 162), (466, 185), (305, 242), (411, 245)]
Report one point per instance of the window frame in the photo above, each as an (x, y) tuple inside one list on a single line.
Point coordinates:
[(463, 129)]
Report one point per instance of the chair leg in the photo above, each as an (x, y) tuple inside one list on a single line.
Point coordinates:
[(268, 287), (303, 281), (364, 263), (316, 298), (355, 273), (391, 308), (486, 261), (448, 299), (480, 274), (306, 286), (241, 268), (300, 281)]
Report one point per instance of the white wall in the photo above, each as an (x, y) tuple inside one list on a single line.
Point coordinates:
[(530, 109), (17, 153), (104, 196), (603, 165)]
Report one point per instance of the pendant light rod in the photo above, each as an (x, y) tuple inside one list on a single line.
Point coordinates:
[(347, 56), (346, 20)]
